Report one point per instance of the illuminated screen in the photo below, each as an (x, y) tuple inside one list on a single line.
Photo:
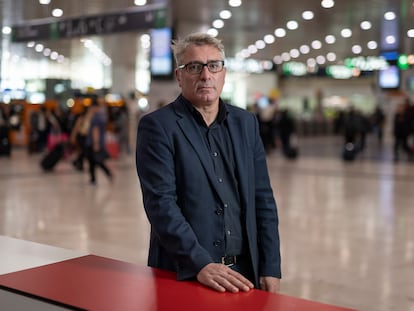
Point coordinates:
[(389, 78), (161, 54)]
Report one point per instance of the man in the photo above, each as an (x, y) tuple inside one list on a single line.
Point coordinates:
[(204, 181)]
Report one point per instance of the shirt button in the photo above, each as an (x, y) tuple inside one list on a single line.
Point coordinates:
[(225, 205), (215, 154), (220, 180), (228, 232)]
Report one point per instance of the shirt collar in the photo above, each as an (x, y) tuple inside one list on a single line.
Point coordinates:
[(221, 116)]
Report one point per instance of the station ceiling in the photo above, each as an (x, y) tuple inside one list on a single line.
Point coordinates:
[(250, 22)]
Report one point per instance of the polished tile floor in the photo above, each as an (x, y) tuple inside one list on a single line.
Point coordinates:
[(347, 229)]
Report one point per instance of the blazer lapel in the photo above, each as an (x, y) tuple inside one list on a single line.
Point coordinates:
[(237, 132)]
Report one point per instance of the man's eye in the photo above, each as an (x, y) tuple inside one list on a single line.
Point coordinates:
[(193, 67)]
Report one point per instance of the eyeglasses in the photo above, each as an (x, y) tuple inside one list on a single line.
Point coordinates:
[(195, 68)]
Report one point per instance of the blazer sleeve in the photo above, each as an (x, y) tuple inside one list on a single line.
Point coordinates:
[(156, 171), (266, 214)]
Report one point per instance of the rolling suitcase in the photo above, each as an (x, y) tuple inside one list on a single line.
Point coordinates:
[(349, 152), (53, 157)]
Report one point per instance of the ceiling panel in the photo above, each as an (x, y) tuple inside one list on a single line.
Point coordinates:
[(249, 23)]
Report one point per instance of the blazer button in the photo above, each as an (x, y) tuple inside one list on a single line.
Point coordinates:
[(219, 211), (217, 243)]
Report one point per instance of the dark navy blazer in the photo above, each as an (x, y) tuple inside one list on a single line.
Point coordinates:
[(181, 194)]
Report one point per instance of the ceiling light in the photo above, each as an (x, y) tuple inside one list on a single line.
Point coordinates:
[(292, 25), (6, 30), (330, 39), (390, 39), (389, 16), (252, 49), (321, 59), (316, 44), (410, 33), (346, 33), (54, 55), (331, 57), (39, 47), (213, 32), (304, 49), (260, 44), (280, 32), (365, 25), (218, 23), (47, 51), (307, 15), (269, 39), (44, 1), (372, 45), (285, 56), (294, 53), (57, 12), (235, 3), (225, 14), (140, 2), (327, 4), (356, 49)]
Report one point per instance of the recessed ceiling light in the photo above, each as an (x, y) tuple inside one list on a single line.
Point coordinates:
[(389, 16), (410, 33), (218, 23), (57, 12), (327, 4), (372, 45), (292, 25), (260, 44), (307, 15), (330, 39), (140, 2), (213, 32), (280, 32), (316, 44), (346, 33), (225, 14), (304, 49), (235, 3), (269, 39), (356, 49), (365, 25)]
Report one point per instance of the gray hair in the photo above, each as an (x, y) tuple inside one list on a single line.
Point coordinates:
[(199, 39)]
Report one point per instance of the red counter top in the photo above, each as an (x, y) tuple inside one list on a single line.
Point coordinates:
[(97, 283)]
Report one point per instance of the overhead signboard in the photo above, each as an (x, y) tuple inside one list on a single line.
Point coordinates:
[(150, 16)]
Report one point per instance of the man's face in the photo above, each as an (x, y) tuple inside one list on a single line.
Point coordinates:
[(203, 88)]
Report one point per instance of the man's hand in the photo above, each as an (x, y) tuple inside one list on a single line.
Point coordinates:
[(269, 284), (221, 278)]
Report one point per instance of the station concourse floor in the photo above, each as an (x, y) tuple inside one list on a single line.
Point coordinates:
[(347, 229)]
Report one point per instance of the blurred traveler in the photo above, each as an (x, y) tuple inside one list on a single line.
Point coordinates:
[(78, 137), (95, 142), (401, 130), (122, 129), (378, 122), (204, 179)]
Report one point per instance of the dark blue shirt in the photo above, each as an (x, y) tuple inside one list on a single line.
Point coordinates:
[(218, 142)]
